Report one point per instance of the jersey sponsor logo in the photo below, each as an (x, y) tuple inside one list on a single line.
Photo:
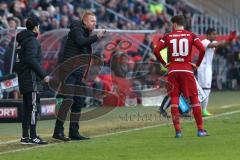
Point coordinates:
[(180, 35)]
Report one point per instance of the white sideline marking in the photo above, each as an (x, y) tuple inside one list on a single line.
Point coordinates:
[(7, 142), (229, 106), (108, 134)]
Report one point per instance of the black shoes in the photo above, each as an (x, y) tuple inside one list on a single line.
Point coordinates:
[(163, 113), (61, 136), (25, 140), (35, 140), (78, 137)]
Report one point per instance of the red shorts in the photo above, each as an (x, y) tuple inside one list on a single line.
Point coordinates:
[(182, 82)]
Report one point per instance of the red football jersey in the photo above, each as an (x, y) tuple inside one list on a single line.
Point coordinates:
[(179, 44)]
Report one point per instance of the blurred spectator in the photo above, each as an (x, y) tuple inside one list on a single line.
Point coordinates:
[(55, 23), (118, 64), (141, 14), (13, 23), (45, 24), (64, 23)]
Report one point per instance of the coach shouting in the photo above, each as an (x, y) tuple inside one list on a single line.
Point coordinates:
[(79, 41)]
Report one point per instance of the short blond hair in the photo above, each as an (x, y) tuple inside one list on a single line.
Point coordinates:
[(87, 13)]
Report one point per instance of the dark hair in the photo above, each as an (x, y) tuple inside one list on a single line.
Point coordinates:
[(11, 19), (31, 23), (179, 19), (2, 12), (210, 30)]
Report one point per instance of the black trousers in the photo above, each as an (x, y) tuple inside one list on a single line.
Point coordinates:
[(31, 105), (71, 103)]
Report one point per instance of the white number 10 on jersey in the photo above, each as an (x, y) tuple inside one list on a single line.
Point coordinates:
[(181, 45)]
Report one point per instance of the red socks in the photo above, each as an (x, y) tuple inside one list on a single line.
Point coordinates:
[(197, 112), (176, 118)]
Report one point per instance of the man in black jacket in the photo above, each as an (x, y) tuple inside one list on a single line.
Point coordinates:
[(30, 74), (79, 41)]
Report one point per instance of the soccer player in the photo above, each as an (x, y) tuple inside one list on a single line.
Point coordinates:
[(179, 43), (204, 72)]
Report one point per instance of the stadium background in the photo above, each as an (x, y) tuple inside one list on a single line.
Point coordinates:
[(126, 52)]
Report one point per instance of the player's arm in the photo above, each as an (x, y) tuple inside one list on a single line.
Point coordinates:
[(231, 36), (160, 46), (198, 44)]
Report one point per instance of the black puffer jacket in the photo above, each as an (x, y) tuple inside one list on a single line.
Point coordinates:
[(29, 70), (78, 42)]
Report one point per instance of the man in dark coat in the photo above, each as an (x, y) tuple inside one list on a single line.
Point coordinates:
[(79, 41), (30, 76)]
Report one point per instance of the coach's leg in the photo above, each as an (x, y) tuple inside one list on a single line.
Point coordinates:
[(76, 114), (78, 103), (26, 116), (64, 110), (61, 117), (35, 102)]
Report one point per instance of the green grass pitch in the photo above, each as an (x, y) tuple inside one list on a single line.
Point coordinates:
[(154, 142)]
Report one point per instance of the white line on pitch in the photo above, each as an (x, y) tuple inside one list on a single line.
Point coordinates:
[(229, 106)]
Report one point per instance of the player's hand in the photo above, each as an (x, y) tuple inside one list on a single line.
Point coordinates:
[(232, 36), (101, 33), (195, 67), (47, 79), (167, 65)]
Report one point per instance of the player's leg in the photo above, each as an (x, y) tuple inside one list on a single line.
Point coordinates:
[(174, 93), (197, 112), (164, 106), (189, 89), (205, 103), (205, 81), (176, 115)]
